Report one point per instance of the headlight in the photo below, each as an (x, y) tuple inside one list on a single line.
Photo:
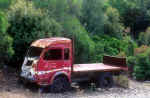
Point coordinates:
[(41, 72)]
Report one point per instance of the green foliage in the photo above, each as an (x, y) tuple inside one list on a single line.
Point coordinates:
[(105, 45), (134, 14), (75, 7), (142, 66), (131, 61), (93, 17), (28, 24), (144, 37), (84, 46), (55, 8), (113, 26), (128, 45), (5, 3), (3, 22), (6, 50), (128, 10)]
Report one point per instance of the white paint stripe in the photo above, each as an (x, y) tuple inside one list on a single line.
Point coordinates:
[(45, 72)]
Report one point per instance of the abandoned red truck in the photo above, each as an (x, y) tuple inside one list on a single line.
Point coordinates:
[(49, 62)]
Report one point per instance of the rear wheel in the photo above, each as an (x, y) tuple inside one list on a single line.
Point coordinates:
[(60, 84), (105, 80)]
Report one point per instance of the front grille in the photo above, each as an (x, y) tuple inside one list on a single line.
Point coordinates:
[(29, 63)]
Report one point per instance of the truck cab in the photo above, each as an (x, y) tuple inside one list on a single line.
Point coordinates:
[(46, 59)]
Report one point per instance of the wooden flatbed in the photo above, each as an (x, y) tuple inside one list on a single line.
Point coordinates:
[(101, 67), (109, 64)]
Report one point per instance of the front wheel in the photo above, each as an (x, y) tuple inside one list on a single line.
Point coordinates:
[(60, 84)]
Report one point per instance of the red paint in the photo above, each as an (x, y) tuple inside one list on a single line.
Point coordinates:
[(52, 68)]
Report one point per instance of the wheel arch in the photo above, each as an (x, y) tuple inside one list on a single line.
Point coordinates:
[(60, 74)]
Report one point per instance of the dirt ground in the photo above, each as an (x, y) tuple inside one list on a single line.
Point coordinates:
[(9, 88)]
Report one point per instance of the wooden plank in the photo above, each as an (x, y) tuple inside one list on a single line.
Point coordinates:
[(114, 61), (94, 67)]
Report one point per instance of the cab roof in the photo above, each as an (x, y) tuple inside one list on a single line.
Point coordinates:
[(43, 43)]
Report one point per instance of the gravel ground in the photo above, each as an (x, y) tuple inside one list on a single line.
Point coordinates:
[(136, 90), (10, 89)]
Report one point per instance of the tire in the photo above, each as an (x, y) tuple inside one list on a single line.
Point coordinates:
[(60, 84), (105, 80)]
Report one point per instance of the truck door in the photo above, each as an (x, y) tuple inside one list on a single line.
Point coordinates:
[(67, 61), (52, 59)]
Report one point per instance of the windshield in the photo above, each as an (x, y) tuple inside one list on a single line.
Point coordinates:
[(34, 51)]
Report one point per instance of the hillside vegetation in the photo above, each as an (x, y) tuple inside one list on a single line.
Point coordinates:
[(99, 27)]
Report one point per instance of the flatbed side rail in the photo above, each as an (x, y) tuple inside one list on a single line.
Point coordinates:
[(115, 61)]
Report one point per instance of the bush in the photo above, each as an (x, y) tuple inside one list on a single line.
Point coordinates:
[(128, 46), (5, 3), (131, 62), (144, 37), (105, 45), (28, 24), (6, 50), (142, 66)]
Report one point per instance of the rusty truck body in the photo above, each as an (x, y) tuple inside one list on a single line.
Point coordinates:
[(49, 62)]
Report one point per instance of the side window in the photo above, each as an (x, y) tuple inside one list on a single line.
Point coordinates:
[(53, 54), (66, 54)]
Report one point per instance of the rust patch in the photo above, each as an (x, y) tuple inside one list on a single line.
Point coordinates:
[(43, 43)]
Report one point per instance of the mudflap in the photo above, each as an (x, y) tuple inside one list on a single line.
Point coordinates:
[(122, 80)]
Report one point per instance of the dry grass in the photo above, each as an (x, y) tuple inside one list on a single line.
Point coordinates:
[(11, 95), (122, 80)]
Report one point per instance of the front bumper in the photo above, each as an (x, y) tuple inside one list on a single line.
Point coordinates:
[(39, 80), (27, 76)]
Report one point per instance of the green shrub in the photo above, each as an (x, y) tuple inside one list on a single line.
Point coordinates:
[(5, 3), (144, 37), (142, 66), (28, 24), (105, 45), (6, 50), (131, 63), (128, 46)]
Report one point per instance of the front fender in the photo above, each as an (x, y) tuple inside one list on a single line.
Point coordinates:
[(60, 73)]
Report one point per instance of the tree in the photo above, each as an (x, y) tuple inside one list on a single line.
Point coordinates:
[(56, 9), (28, 24), (84, 46), (134, 14), (144, 37), (113, 26), (5, 3), (93, 17), (67, 13)]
